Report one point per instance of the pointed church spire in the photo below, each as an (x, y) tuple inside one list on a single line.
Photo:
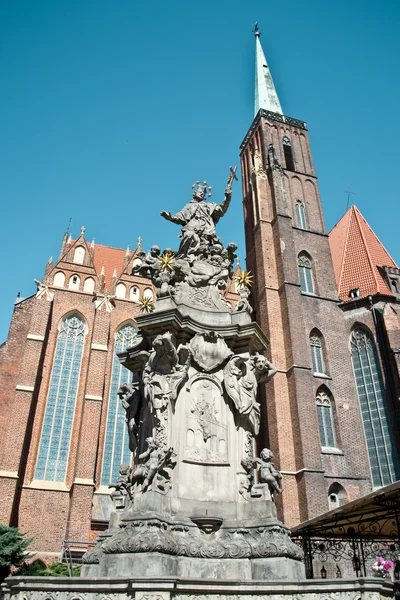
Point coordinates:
[(265, 92)]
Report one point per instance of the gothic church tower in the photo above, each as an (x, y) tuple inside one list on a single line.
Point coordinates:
[(312, 419)]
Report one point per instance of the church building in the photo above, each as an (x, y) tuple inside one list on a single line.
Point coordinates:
[(329, 304)]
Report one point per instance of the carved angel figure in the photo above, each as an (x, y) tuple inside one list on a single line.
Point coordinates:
[(129, 395), (241, 378), (268, 473), (163, 372)]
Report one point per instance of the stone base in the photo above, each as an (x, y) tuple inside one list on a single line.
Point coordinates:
[(157, 565), (67, 588)]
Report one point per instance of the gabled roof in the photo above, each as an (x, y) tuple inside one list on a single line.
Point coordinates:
[(358, 257), (110, 258)]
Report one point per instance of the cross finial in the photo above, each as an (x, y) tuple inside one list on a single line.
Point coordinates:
[(139, 241), (237, 261), (83, 229)]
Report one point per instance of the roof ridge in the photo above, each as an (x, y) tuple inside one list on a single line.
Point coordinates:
[(344, 248), (372, 266)]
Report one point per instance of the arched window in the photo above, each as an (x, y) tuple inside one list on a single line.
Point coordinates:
[(301, 214), (74, 282), (306, 274), (120, 290), (337, 496), (148, 293), (325, 419), (317, 353), (116, 444), (371, 394), (60, 407), (288, 152), (88, 286), (135, 294), (59, 279), (79, 255)]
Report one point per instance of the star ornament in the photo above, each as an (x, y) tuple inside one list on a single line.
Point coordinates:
[(244, 279), (147, 305), (167, 262)]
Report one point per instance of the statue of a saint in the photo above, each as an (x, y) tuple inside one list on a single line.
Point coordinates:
[(241, 378), (198, 219)]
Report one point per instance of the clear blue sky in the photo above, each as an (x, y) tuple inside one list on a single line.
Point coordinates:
[(109, 111)]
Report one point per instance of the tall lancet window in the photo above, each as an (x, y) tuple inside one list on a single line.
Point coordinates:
[(116, 444), (325, 419), (306, 273), (317, 352), (372, 399), (60, 407), (301, 214), (288, 152)]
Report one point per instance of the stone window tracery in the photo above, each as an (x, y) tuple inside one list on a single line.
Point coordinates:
[(317, 353), (301, 214), (371, 394), (116, 443), (306, 274), (60, 407), (325, 420)]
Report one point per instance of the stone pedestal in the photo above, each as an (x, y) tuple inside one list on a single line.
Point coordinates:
[(197, 509)]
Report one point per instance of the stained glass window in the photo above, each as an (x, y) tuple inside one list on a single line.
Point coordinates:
[(317, 353), (301, 215), (325, 420), (60, 407), (306, 274), (116, 444), (372, 399)]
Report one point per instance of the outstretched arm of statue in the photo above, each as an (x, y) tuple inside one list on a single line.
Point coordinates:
[(223, 207), (178, 219)]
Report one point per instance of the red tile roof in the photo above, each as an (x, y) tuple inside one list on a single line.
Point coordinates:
[(110, 258), (357, 255)]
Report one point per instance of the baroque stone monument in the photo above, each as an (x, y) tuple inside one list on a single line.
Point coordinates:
[(198, 503)]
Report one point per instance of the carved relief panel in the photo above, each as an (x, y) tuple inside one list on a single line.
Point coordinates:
[(206, 421)]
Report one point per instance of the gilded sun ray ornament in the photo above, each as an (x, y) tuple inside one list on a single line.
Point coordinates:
[(167, 262), (244, 279), (147, 305)]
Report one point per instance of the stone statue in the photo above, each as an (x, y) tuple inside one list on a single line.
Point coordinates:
[(198, 219), (241, 378), (123, 483), (150, 264), (243, 303), (163, 374), (267, 471), (129, 395), (151, 462)]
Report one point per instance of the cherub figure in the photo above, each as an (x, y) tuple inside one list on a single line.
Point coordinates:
[(151, 263), (241, 378), (268, 473), (123, 483), (152, 461)]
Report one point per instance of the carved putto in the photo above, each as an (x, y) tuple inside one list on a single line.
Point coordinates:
[(241, 378), (152, 462), (267, 472)]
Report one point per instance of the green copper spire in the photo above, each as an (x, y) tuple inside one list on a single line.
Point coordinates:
[(265, 92)]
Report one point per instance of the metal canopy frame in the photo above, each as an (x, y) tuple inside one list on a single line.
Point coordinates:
[(358, 531)]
